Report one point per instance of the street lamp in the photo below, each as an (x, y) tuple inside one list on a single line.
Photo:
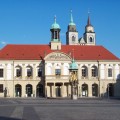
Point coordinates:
[(73, 79)]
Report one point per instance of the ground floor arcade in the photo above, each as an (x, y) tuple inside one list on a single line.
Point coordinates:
[(59, 89), (29, 91)]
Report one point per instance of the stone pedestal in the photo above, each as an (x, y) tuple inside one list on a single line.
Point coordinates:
[(74, 97)]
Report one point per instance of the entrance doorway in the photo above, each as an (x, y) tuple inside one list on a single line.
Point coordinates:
[(85, 90), (29, 90), (94, 90), (110, 90), (18, 90), (58, 91), (39, 90)]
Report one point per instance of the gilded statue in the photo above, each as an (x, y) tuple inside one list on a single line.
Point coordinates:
[(73, 76)]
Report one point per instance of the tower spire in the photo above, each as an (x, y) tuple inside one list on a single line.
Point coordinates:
[(71, 17), (88, 22), (55, 19)]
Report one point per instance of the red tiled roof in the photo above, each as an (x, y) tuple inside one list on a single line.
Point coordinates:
[(36, 52)]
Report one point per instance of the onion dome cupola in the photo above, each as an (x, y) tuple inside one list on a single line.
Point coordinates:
[(55, 25), (55, 31), (55, 36), (71, 34), (89, 35), (73, 65)]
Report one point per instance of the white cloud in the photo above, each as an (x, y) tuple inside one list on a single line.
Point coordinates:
[(3, 42)]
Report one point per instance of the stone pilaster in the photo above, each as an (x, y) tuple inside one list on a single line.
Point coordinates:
[(34, 91), (90, 90), (24, 91), (114, 77), (34, 72), (23, 71), (89, 71), (106, 71), (62, 90), (53, 90)]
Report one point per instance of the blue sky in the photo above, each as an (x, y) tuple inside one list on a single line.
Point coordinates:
[(29, 21)]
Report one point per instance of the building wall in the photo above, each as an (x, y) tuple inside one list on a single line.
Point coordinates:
[(52, 83)]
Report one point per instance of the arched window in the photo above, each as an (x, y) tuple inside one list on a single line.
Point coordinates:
[(39, 90), (29, 71), (18, 90), (84, 89), (18, 71), (84, 71), (94, 71), (94, 89), (91, 39), (56, 35), (39, 72), (73, 38), (29, 90)]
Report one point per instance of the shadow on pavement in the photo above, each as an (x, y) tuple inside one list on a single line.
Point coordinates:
[(8, 118)]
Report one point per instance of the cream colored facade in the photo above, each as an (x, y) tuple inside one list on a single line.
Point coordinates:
[(52, 85)]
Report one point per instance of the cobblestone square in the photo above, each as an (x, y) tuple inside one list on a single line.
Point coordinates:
[(59, 109)]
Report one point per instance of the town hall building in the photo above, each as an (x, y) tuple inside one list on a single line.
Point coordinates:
[(44, 70)]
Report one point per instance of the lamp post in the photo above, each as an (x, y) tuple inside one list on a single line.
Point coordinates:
[(73, 79)]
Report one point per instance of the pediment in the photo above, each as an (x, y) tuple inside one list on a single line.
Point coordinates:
[(57, 56)]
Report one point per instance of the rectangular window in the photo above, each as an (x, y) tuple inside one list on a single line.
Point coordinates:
[(29, 72), (1, 88), (1, 72), (58, 71), (18, 72), (109, 72)]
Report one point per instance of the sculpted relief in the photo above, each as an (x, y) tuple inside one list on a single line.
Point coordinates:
[(57, 56)]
